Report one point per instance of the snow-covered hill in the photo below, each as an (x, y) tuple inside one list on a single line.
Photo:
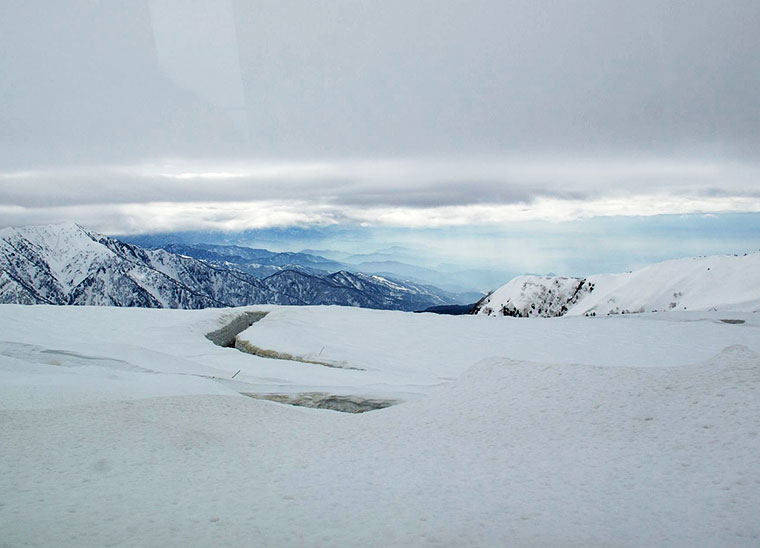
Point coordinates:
[(68, 264), (720, 282)]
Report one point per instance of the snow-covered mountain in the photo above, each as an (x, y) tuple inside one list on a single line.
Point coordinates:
[(68, 264), (720, 282)]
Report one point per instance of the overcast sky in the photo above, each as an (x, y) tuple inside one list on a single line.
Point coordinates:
[(158, 115)]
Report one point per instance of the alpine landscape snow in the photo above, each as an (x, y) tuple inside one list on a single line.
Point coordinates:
[(378, 274)]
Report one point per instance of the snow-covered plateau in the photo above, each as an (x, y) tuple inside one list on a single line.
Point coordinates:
[(129, 427)]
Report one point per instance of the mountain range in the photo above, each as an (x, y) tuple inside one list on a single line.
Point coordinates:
[(467, 283), (257, 262), (68, 264)]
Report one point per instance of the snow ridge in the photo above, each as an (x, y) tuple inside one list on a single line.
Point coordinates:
[(719, 282)]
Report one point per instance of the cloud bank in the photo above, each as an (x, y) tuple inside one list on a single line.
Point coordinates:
[(414, 193)]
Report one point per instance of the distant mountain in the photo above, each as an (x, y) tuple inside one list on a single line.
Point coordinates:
[(397, 268), (262, 263), (68, 264), (720, 282), (459, 282), (395, 253), (257, 262), (356, 289), (327, 253)]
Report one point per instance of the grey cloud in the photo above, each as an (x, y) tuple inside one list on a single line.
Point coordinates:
[(451, 193), (87, 81), (105, 188), (485, 75), (414, 184)]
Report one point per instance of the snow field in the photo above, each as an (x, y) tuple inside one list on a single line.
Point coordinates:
[(658, 447), (424, 350)]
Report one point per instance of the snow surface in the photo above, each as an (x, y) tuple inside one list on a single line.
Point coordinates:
[(416, 352), (719, 282), (123, 427)]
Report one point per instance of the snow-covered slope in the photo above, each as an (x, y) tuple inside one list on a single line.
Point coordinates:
[(720, 282), (67, 264), (534, 296), (125, 427)]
